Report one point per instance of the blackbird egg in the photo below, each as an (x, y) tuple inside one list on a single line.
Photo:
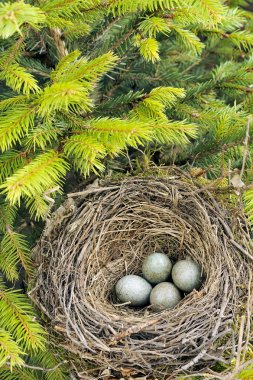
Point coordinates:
[(186, 275), (134, 289), (164, 296), (156, 267)]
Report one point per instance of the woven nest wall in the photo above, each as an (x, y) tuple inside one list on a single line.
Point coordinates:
[(105, 232)]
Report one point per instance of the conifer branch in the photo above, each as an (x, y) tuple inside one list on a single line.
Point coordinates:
[(9, 350), (14, 125), (17, 319), (45, 171), (14, 16), (13, 251)]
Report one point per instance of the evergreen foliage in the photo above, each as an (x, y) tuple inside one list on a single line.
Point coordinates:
[(20, 332), (85, 82)]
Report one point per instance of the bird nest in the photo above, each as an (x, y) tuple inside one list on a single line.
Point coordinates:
[(104, 233)]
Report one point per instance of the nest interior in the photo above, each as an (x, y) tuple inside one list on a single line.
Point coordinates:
[(104, 233)]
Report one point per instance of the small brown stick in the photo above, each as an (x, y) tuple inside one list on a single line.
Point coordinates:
[(245, 150), (133, 330), (41, 368), (92, 190), (215, 330), (59, 43), (249, 313), (209, 186), (226, 228), (229, 179), (239, 347), (246, 253), (231, 375)]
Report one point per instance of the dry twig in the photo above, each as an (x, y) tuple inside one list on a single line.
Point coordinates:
[(245, 151)]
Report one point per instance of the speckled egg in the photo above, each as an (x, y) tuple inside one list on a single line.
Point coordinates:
[(156, 267), (186, 275), (164, 296), (134, 289)]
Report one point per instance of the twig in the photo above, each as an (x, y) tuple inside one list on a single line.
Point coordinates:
[(129, 161), (59, 43), (249, 312), (133, 330), (245, 150), (239, 348), (229, 179), (92, 190), (241, 249), (41, 368), (209, 186), (215, 330), (231, 375), (226, 228), (22, 226)]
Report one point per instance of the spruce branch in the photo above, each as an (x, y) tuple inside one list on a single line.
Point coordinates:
[(9, 350), (13, 52), (10, 161), (13, 251), (19, 79), (45, 171), (15, 124), (17, 318), (14, 16), (8, 215)]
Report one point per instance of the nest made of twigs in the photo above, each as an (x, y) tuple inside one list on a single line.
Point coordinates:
[(105, 232)]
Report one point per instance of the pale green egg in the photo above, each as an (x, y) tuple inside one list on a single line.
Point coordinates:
[(186, 275), (133, 289), (164, 296), (156, 267)]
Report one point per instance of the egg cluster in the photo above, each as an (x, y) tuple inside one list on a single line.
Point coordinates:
[(157, 270)]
